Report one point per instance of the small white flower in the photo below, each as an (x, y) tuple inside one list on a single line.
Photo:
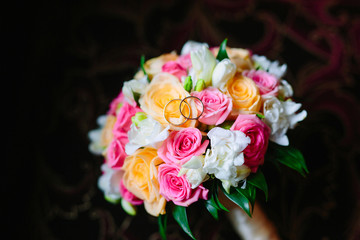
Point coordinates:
[(109, 183), (134, 85), (285, 89), (149, 132), (203, 63), (272, 67), (223, 71), (95, 136), (281, 116), (194, 171), (190, 46), (225, 159)]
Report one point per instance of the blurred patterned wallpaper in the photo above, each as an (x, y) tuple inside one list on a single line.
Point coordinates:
[(75, 57)]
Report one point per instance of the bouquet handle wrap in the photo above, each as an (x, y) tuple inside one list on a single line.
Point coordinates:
[(258, 227)]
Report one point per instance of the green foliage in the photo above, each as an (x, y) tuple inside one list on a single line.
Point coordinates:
[(288, 156), (162, 222), (239, 198), (213, 204), (258, 180), (179, 214), (222, 54), (136, 97), (142, 63)]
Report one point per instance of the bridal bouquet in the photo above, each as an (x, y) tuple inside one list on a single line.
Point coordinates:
[(191, 125)]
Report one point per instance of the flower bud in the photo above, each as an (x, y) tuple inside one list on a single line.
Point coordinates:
[(203, 62), (200, 85), (139, 116), (223, 71), (188, 83), (128, 207)]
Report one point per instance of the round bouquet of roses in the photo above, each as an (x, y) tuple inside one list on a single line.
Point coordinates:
[(190, 125)]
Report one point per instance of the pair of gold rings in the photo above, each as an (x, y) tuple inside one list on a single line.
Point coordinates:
[(183, 101)]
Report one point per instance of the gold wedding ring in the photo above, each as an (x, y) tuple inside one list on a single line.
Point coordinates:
[(186, 118), (180, 110)]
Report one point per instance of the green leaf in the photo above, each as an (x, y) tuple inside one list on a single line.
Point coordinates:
[(249, 192), (142, 63), (212, 208), (239, 199), (179, 214), (259, 115), (214, 196), (136, 97), (288, 156), (258, 180), (162, 222), (222, 54)]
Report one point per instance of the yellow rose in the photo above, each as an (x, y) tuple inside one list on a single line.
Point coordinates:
[(106, 133), (163, 88), (239, 56), (244, 93), (153, 66), (140, 178)]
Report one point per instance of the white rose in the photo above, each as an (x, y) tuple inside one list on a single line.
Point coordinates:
[(272, 67), (149, 132), (225, 159), (281, 116), (203, 63), (134, 85), (190, 46), (109, 183), (194, 171), (223, 71)]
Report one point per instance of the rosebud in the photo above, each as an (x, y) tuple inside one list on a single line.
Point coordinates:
[(138, 117), (222, 73), (188, 83), (203, 62)]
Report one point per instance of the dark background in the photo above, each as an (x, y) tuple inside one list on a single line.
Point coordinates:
[(64, 61)]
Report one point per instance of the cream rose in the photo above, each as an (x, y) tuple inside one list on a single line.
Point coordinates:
[(244, 93), (140, 178), (154, 66), (163, 88)]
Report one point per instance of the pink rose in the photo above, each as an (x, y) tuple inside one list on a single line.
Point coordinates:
[(259, 133), (178, 189), (128, 196), (181, 145), (217, 106), (123, 118), (185, 61), (114, 105), (175, 69), (267, 83), (116, 151)]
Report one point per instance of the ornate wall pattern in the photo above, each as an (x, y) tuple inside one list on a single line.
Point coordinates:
[(79, 53)]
